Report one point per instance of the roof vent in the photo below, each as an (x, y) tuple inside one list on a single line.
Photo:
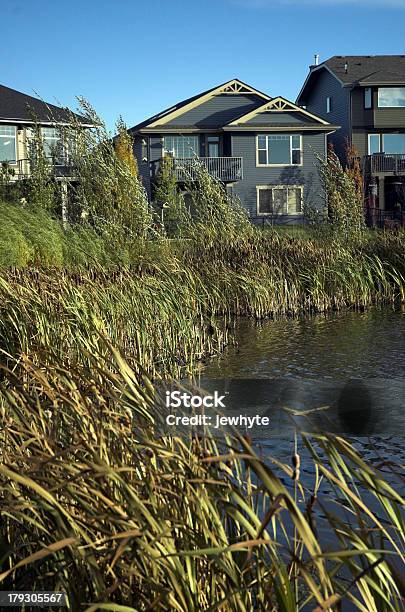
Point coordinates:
[(346, 67), (316, 59)]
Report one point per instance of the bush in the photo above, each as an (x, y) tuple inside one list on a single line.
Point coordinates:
[(14, 250), (41, 233)]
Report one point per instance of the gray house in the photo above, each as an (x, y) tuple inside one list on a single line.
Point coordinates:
[(365, 95), (263, 148)]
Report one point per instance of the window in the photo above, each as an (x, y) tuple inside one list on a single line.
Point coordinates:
[(181, 146), (328, 104), (212, 146), (8, 150), (367, 98), (391, 144), (279, 150), (279, 200), (394, 143), (391, 96), (53, 144), (374, 144)]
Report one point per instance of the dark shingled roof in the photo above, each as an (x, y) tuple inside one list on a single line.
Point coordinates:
[(15, 105), (179, 105), (368, 68)]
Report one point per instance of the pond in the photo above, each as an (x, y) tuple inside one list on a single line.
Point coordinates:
[(350, 364)]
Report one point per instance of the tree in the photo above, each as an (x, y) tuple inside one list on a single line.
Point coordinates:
[(168, 202), (124, 147), (344, 194)]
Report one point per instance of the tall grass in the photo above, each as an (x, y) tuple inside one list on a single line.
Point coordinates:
[(94, 504)]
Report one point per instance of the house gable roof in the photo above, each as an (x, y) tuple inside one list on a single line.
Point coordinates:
[(232, 87), (276, 109), (20, 107), (352, 70)]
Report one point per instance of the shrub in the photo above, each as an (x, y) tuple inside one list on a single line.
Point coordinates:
[(14, 250)]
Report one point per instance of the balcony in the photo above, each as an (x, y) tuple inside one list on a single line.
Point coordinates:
[(225, 169), (21, 169), (388, 163)]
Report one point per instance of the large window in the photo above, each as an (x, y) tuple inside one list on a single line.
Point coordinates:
[(279, 150), (279, 200), (8, 150), (386, 143), (181, 146), (53, 144), (391, 97)]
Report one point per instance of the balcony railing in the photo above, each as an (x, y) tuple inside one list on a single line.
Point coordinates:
[(385, 162), (22, 168), (225, 169)]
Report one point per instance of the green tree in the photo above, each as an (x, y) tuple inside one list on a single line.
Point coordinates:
[(168, 202), (344, 195)]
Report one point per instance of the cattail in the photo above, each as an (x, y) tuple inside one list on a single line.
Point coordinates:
[(296, 461), (296, 474)]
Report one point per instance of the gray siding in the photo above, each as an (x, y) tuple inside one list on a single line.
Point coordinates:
[(279, 118), (361, 117), (216, 111), (360, 141), (326, 85), (389, 117), (244, 145)]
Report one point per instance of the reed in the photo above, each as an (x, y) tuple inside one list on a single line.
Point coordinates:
[(175, 304), (95, 504)]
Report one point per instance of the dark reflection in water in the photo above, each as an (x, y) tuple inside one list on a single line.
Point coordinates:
[(353, 362), (355, 409)]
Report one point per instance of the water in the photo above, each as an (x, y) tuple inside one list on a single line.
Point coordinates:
[(352, 362)]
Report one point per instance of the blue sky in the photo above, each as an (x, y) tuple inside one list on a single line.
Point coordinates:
[(136, 57)]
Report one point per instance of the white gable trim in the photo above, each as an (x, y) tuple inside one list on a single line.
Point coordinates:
[(233, 87), (276, 105)]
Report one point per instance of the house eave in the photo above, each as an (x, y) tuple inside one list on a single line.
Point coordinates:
[(380, 84), (299, 128), (52, 123), (313, 71), (164, 129)]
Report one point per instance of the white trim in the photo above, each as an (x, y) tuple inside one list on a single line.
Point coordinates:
[(258, 165), (276, 105), (281, 214), (225, 88), (368, 143), (47, 123)]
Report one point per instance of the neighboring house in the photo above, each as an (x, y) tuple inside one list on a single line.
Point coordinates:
[(263, 149), (18, 114), (365, 95)]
